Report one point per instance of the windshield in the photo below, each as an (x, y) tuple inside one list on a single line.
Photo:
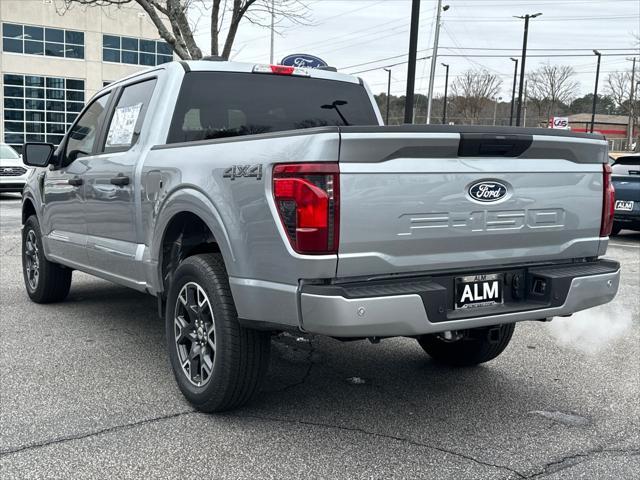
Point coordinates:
[(222, 104), (7, 152)]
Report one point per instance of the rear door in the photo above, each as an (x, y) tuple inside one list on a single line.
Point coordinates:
[(110, 204), (421, 200)]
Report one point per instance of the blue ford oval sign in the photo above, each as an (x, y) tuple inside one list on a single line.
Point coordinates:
[(487, 191), (303, 60)]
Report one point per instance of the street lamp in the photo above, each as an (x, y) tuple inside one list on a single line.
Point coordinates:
[(595, 91), (495, 109), (446, 85), (388, 70), (513, 91), (524, 58), (411, 67), (434, 58)]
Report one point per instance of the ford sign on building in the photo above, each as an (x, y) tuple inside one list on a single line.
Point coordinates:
[(303, 60)]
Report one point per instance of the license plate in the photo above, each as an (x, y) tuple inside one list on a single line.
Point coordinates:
[(624, 205), (474, 291)]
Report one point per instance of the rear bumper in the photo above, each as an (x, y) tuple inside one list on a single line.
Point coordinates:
[(396, 310), (627, 219)]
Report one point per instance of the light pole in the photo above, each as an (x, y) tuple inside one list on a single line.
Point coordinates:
[(495, 109), (595, 91), (411, 67), (513, 91), (524, 115), (637, 149), (273, 24), (434, 58), (630, 126), (523, 61), (388, 70), (446, 85)]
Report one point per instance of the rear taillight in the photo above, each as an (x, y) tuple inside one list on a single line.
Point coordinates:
[(608, 199), (307, 197)]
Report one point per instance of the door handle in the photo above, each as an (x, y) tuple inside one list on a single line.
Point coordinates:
[(75, 181), (121, 180)]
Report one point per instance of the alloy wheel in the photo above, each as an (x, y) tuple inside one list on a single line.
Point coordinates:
[(32, 263), (194, 333)]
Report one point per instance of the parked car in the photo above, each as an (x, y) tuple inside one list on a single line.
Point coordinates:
[(626, 181), (13, 173), (252, 199)]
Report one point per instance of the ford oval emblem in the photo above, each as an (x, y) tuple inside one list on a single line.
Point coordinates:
[(487, 191), (303, 60)]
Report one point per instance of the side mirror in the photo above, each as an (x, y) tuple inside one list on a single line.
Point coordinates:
[(37, 154)]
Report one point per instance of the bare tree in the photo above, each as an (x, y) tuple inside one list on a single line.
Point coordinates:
[(619, 88), (171, 18), (551, 85), (473, 91)]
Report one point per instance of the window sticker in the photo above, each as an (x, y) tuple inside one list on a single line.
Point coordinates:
[(123, 125)]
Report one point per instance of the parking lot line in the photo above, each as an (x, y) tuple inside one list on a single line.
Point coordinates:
[(629, 245)]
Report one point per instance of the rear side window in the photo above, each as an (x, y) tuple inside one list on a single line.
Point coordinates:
[(221, 104), (128, 116)]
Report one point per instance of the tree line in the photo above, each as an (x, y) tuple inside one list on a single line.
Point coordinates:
[(552, 90)]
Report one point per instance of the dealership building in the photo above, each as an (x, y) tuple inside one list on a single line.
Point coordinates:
[(51, 64)]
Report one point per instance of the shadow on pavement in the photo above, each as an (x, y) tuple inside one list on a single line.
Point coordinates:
[(627, 235), (321, 379)]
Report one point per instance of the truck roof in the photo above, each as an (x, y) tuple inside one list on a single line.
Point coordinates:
[(205, 65), (243, 67)]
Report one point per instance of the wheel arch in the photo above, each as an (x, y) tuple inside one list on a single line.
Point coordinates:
[(188, 223), (28, 209)]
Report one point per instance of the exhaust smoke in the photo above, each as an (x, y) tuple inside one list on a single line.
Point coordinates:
[(591, 330)]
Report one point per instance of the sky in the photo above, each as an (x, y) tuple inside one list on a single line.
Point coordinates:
[(350, 33)]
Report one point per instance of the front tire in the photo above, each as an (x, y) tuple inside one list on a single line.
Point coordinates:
[(45, 281), (475, 346), (218, 364)]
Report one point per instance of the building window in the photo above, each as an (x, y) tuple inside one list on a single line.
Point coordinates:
[(135, 51), (52, 42), (39, 109)]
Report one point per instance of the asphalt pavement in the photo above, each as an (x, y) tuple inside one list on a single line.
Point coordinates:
[(86, 391)]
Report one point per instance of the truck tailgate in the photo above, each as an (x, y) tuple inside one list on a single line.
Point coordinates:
[(420, 199)]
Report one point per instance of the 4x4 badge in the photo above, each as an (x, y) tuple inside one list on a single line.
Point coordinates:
[(248, 171)]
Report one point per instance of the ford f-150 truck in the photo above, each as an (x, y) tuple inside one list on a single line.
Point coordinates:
[(252, 199)]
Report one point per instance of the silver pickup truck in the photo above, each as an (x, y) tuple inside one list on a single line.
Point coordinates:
[(252, 199)]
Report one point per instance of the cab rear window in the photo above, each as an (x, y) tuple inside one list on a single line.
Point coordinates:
[(221, 104)]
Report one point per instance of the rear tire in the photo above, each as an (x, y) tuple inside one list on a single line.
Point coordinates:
[(616, 229), (218, 364), (45, 281), (476, 346)]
